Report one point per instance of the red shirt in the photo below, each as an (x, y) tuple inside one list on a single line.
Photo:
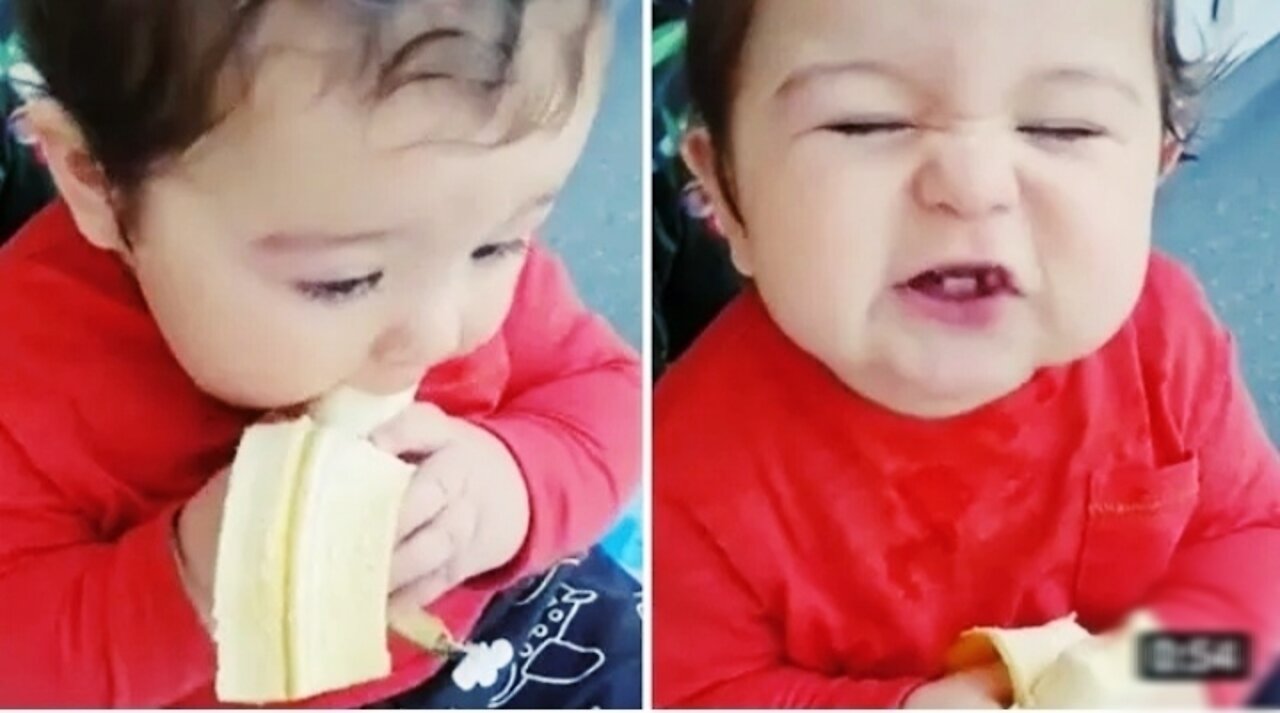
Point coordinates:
[(813, 549), (103, 437)]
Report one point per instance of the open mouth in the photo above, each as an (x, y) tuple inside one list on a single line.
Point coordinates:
[(964, 283)]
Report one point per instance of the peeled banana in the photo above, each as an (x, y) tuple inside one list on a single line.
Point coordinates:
[(1025, 652), (304, 556), (1061, 665), (1102, 673)]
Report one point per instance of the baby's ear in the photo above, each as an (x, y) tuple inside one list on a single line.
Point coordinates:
[(1171, 151), (699, 154), (80, 180)]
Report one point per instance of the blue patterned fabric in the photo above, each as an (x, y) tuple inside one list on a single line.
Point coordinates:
[(569, 639)]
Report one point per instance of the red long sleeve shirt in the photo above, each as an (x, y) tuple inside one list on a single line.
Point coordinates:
[(812, 549), (103, 437)]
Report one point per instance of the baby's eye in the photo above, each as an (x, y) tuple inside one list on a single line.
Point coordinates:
[(497, 251), (1063, 133), (868, 128), (339, 291)]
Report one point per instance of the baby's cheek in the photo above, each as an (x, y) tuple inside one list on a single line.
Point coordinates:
[(252, 366), (1100, 291), (487, 309), (824, 297)]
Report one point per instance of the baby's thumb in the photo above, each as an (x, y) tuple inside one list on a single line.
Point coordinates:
[(417, 432)]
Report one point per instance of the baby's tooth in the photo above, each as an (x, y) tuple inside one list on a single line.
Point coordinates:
[(959, 286)]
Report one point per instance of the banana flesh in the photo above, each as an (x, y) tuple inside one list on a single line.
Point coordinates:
[(304, 556)]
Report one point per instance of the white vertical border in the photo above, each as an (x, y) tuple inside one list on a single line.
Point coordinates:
[(646, 316)]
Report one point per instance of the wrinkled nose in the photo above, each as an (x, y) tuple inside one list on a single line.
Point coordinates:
[(968, 175)]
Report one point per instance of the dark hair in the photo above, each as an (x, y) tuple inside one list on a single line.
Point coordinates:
[(718, 33), (145, 79)]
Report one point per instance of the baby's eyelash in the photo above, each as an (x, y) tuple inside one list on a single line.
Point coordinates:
[(338, 291), (867, 128), (1062, 133), (495, 251)]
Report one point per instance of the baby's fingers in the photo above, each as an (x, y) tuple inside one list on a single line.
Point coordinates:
[(438, 482), (419, 430), (422, 592), (434, 548)]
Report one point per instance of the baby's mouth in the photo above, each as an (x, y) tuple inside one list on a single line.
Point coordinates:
[(964, 283)]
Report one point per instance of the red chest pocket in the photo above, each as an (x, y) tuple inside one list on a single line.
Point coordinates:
[(1135, 518), (472, 385)]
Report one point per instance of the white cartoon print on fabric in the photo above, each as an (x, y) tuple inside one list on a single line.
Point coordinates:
[(483, 664), (549, 657), (547, 579)]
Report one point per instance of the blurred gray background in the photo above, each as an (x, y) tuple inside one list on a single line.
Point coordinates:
[(597, 227), (1221, 215)]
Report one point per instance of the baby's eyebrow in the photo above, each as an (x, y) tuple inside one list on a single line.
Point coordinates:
[(1066, 75), (1089, 76), (293, 242), (286, 242), (806, 75)]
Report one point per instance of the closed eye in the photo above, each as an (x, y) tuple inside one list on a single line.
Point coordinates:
[(497, 251), (339, 291), (868, 128), (1062, 133)]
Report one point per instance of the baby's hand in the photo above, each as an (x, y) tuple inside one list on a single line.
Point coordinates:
[(467, 508), (196, 542), (982, 687)]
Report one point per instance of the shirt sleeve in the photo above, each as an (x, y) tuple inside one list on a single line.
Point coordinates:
[(87, 622), (570, 416), (1225, 573), (714, 643)]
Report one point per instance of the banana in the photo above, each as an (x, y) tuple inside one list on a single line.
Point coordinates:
[(357, 411), (250, 602), (1102, 673), (1061, 665), (1026, 652), (304, 556)]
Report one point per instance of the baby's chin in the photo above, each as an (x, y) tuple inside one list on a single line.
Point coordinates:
[(940, 378)]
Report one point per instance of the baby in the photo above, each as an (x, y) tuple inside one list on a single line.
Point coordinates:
[(962, 390), (263, 201)]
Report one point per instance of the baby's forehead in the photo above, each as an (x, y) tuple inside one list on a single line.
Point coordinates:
[(953, 41), (369, 38), (476, 57)]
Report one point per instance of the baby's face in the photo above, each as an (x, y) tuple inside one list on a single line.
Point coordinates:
[(941, 196), (314, 240)]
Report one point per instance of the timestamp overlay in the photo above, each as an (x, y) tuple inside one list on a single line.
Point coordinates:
[(1194, 656)]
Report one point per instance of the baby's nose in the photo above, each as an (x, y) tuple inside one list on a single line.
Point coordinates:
[(428, 336), (968, 174), (426, 341)]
